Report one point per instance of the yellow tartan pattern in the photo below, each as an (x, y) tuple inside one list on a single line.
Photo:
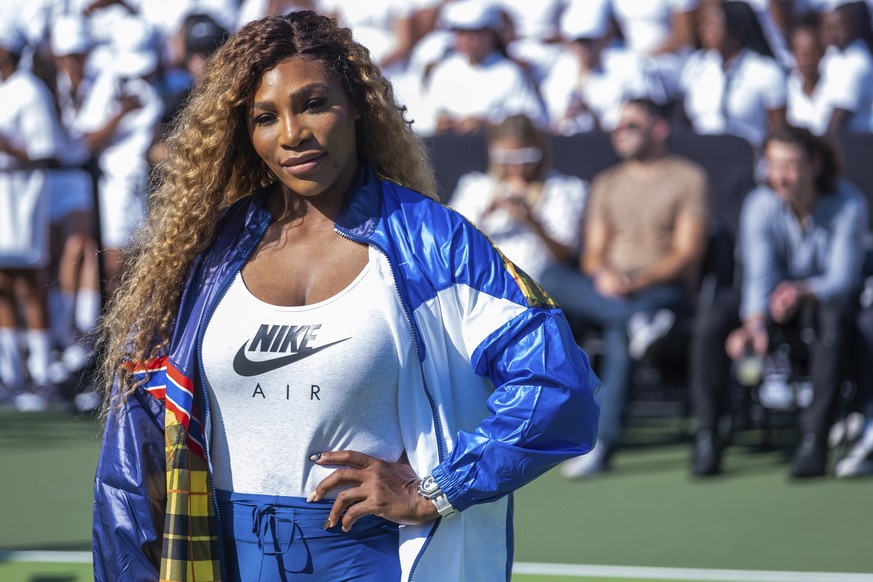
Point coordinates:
[(190, 539)]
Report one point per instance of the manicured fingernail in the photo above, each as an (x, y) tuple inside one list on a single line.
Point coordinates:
[(311, 497), (327, 524), (314, 457)]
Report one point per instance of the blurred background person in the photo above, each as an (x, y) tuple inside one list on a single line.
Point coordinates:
[(585, 88), (255, 9), (644, 237), (659, 30), (859, 460), (385, 27), (733, 85), (804, 104), (118, 120), (200, 36), (534, 36), (28, 142), (530, 211), (75, 300), (478, 84), (847, 68), (801, 238)]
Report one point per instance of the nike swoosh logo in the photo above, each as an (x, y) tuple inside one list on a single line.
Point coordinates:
[(246, 367)]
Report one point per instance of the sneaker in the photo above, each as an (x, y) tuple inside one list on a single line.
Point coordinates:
[(706, 456), (859, 461), (592, 463), (30, 402), (810, 458), (645, 329), (76, 357), (775, 391)]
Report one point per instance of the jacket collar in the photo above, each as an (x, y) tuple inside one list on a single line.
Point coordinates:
[(358, 219)]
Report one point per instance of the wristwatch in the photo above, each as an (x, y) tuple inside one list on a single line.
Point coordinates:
[(429, 489)]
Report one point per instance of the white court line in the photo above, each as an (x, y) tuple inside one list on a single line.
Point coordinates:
[(697, 574), (642, 573), (41, 556)]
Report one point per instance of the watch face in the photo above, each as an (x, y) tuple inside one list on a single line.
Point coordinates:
[(428, 486)]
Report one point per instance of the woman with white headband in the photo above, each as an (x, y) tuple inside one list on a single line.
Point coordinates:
[(530, 211)]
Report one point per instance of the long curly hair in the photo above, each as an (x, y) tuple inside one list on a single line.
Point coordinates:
[(211, 164)]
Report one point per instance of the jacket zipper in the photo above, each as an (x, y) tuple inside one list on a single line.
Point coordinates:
[(436, 418), (225, 285)]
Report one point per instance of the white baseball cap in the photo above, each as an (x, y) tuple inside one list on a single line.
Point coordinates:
[(471, 15), (586, 19), (136, 52), (11, 37), (69, 36)]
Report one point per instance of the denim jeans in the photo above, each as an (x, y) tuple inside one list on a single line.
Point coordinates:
[(576, 295)]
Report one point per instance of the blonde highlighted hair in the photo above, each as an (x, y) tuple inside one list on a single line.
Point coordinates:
[(211, 164)]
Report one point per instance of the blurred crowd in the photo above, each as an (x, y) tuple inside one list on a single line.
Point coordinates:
[(90, 87)]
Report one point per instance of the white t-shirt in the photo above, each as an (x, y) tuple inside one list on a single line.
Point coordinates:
[(646, 24), (537, 20), (287, 382), (125, 154), (804, 110), (847, 83), (624, 75), (559, 210), (28, 121), (491, 90), (736, 101)]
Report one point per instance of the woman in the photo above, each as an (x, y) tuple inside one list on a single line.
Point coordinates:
[(390, 367), (75, 302), (661, 31), (530, 211), (733, 85), (478, 85), (805, 107), (847, 68), (28, 142), (587, 85)]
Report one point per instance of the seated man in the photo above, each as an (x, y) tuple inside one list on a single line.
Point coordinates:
[(645, 234), (802, 243)]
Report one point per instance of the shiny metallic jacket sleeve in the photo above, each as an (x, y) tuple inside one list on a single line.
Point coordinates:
[(543, 410), (129, 493)]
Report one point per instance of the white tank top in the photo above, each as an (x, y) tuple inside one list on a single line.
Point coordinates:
[(287, 382)]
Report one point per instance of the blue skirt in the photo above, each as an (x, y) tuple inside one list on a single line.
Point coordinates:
[(282, 539)]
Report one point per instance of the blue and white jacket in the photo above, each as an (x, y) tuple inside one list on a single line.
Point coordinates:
[(494, 392)]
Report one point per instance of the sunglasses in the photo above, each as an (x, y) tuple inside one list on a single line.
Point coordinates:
[(515, 156)]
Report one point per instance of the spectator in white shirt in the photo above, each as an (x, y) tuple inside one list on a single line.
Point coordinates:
[(479, 84), (532, 213), (588, 84), (119, 119), (847, 68), (662, 30), (256, 9), (536, 36), (28, 140), (75, 301), (805, 107), (733, 85)]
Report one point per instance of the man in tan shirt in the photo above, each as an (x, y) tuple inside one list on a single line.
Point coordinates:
[(645, 235)]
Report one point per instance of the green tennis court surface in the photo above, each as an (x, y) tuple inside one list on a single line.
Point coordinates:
[(647, 513)]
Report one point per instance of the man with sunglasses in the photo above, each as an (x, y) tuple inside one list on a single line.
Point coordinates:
[(644, 237)]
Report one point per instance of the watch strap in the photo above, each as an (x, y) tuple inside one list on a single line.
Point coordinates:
[(443, 505), (429, 489)]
